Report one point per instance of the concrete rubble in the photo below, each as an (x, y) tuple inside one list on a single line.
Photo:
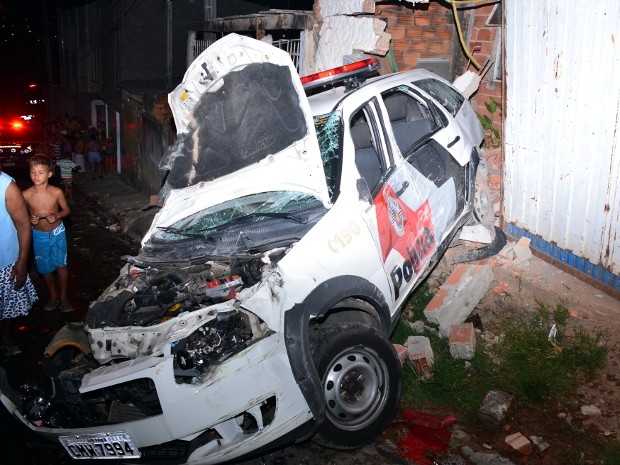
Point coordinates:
[(515, 253), (462, 341), (590, 410), (420, 353), (519, 443), (494, 407), (458, 295), (540, 445), (484, 458)]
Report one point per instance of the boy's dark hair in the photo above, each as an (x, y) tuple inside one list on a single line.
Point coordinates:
[(40, 160)]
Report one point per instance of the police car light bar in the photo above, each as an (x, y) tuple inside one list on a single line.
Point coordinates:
[(341, 73)]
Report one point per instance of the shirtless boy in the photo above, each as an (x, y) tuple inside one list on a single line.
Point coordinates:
[(47, 206)]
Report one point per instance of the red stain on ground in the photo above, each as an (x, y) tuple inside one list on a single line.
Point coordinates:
[(426, 436)]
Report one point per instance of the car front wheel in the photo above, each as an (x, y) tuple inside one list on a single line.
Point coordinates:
[(361, 383)]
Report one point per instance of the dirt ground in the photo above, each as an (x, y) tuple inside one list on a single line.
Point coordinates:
[(515, 292)]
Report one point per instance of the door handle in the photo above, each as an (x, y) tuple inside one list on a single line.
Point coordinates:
[(456, 139), (402, 189)]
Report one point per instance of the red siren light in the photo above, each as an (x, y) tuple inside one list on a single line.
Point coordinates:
[(341, 73)]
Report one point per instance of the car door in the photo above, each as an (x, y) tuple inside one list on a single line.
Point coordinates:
[(394, 198), (419, 202)]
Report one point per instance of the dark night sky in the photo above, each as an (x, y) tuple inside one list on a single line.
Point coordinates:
[(23, 37), (22, 47)]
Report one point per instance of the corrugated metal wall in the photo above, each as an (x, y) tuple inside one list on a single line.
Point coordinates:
[(562, 131)]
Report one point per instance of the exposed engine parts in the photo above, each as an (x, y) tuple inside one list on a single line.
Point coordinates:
[(148, 297), (228, 333)]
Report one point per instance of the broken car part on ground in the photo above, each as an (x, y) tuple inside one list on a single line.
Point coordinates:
[(259, 308)]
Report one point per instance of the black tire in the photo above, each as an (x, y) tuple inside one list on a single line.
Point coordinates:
[(361, 381)]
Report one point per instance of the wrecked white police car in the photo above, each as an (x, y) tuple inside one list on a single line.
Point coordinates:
[(259, 308)]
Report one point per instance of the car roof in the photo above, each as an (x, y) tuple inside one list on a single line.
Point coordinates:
[(324, 102)]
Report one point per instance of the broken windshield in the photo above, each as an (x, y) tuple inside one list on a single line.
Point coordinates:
[(252, 208)]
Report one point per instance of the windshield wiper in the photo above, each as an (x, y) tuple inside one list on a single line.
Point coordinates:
[(288, 216), (180, 232)]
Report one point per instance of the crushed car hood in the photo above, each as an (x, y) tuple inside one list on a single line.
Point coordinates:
[(244, 126)]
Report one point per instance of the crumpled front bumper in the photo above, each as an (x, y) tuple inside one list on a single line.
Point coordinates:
[(250, 401)]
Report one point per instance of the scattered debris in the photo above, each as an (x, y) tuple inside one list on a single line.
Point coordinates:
[(476, 233), (459, 438), (481, 458), (522, 251), (590, 410), (420, 353), (494, 407), (501, 289), (458, 295), (417, 326), (519, 442), (402, 352), (539, 443), (467, 83), (462, 341), (115, 228)]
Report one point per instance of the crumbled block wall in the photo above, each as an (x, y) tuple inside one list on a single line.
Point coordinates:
[(420, 31)]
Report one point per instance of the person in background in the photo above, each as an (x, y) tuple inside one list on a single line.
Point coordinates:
[(47, 206), (17, 293), (109, 150), (67, 168), (78, 157), (93, 150)]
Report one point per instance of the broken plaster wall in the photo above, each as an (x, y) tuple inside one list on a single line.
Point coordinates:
[(343, 28)]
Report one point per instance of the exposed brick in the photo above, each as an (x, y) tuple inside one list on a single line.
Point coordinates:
[(401, 44), (413, 33), (420, 353), (457, 274), (439, 47), (419, 46), (406, 19), (420, 20), (437, 300), (409, 61), (485, 34), (445, 35), (457, 297), (397, 32), (463, 334), (402, 352), (462, 341), (519, 442)]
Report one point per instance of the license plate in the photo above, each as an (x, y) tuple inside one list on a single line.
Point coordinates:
[(117, 445)]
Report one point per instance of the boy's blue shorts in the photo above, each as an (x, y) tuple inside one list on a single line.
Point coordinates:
[(50, 249)]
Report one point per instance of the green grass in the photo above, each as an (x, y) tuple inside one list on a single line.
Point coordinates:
[(537, 367), (526, 362), (454, 383)]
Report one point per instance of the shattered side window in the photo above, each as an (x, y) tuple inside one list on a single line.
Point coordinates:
[(254, 113), (448, 97), (329, 129)]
